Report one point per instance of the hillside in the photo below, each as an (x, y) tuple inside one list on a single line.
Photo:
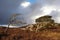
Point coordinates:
[(42, 30)]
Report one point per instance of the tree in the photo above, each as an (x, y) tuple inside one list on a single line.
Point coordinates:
[(13, 20)]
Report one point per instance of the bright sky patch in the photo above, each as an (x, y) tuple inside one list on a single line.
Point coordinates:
[(47, 9), (25, 4)]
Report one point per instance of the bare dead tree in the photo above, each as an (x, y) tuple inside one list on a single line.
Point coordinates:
[(13, 19)]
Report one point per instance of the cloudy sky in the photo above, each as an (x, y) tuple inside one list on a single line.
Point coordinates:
[(30, 9)]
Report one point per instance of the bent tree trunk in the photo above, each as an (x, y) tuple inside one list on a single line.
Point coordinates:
[(6, 30)]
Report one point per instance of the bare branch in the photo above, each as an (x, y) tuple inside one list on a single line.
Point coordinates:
[(13, 20)]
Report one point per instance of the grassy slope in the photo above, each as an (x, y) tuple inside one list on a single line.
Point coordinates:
[(18, 34)]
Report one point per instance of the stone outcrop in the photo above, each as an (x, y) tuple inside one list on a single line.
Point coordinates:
[(44, 22), (46, 18)]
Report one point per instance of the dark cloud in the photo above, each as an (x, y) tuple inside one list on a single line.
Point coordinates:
[(7, 7)]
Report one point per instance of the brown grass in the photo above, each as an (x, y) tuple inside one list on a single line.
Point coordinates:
[(18, 34)]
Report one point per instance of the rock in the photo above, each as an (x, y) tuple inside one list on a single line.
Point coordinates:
[(44, 19)]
